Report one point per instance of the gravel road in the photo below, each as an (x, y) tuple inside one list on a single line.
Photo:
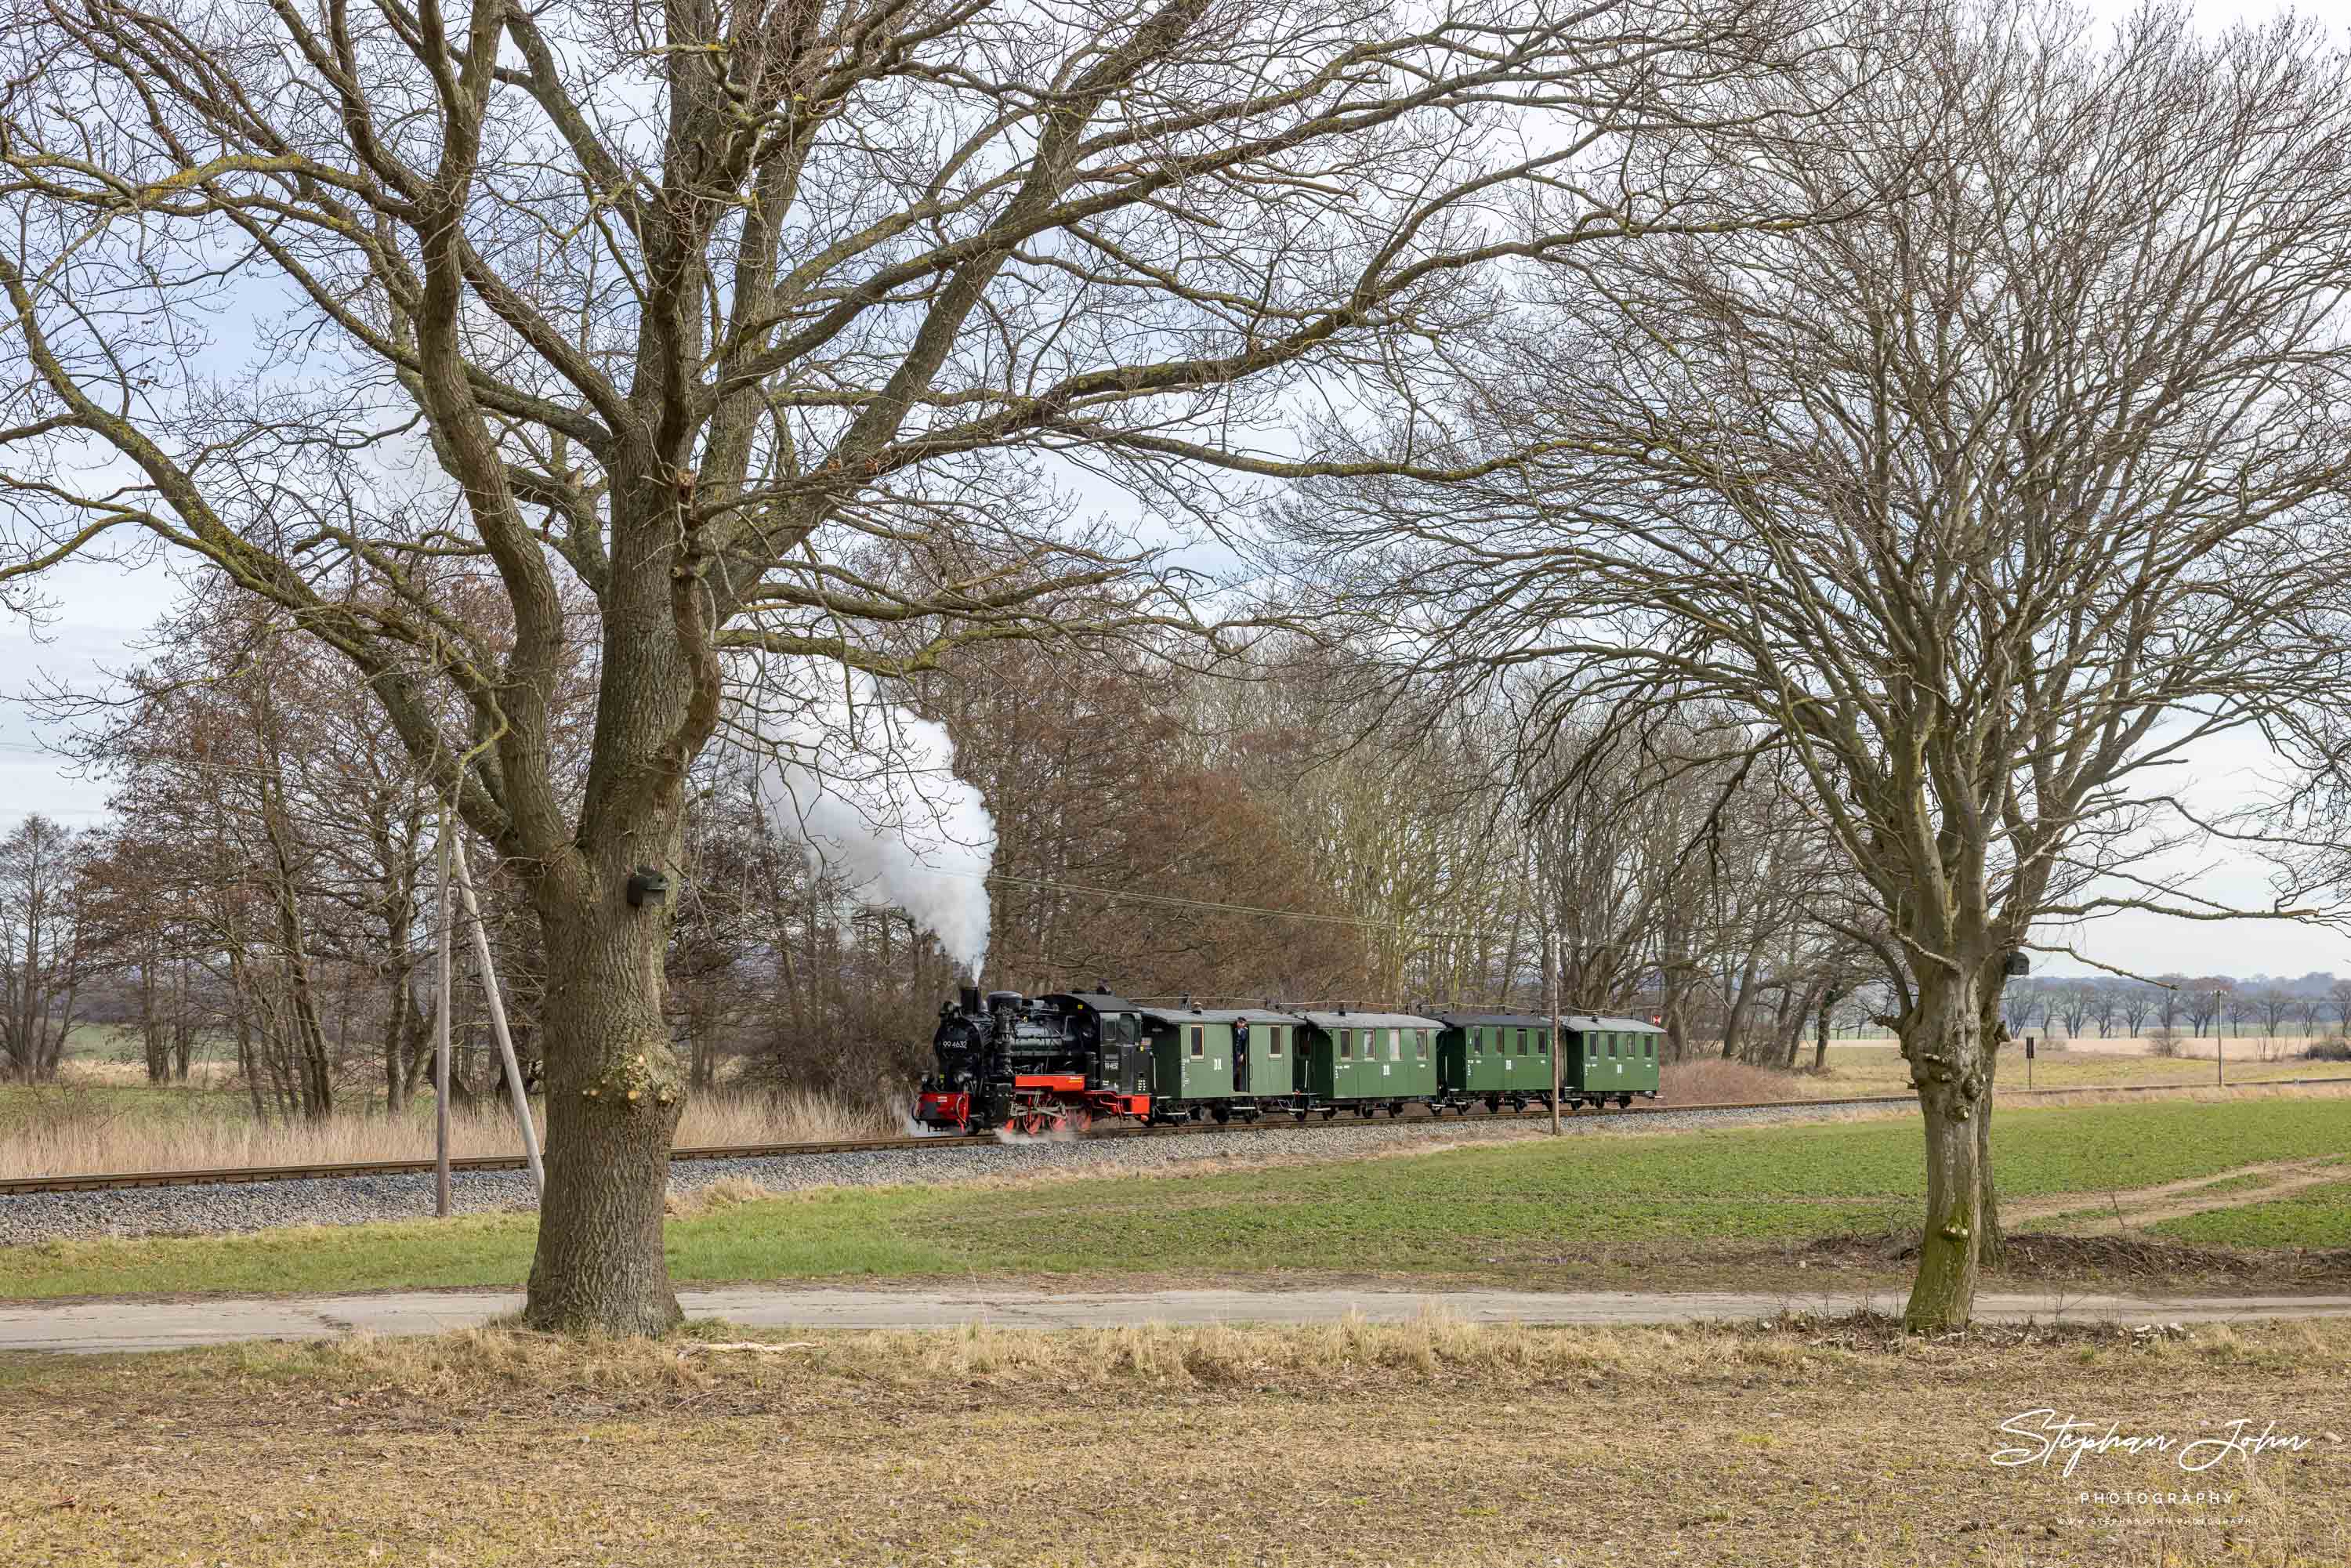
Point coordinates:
[(26, 1217)]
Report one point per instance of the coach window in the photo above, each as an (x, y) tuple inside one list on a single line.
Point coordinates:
[(1649, 1049), (1542, 1043), (1591, 1046), (1347, 1042), (1522, 1042), (1273, 1040), (1612, 1045), (1199, 1040), (1420, 1043), (1476, 1042)]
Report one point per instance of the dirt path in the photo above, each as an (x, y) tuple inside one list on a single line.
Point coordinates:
[(2081, 1213), (95, 1326)]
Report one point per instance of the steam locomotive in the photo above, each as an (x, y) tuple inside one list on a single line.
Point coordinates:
[(1036, 1064), (1050, 1064)]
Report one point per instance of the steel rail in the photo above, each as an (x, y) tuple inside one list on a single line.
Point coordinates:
[(1279, 1120)]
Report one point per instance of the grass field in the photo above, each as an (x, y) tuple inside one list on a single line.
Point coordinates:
[(1613, 1208), (2313, 1217), (1428, 1443), (1880, 1068)]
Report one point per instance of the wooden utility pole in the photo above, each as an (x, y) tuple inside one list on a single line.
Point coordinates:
[(441, 1035), (515, 1090), (1558, 1040)]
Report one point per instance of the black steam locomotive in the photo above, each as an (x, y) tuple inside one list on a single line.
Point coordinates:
[(1035, 1064)]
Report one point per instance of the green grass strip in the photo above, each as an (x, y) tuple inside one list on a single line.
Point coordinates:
[(1460, 1210)]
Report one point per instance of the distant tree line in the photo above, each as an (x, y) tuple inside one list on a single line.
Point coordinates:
[(264, 891)]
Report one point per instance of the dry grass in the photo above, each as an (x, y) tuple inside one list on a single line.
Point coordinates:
[(2235, 1093), (2240, 1046), (1711, 1080), (727, 1192), (1429, 1442), (70, 1128)]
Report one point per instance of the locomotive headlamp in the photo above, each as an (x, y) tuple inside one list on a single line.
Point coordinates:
[(646, 884)]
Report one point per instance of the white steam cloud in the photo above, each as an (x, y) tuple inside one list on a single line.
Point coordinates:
[(873, 790)]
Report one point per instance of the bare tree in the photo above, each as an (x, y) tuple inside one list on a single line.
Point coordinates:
[(1983, 504), (43, 947), (2100, 1008), (2239, 1007), (2206, 998), (2311, 1011), (715, 348), (2073, 1002), (2275, 1005), (2172, 999), (2135, 1003)]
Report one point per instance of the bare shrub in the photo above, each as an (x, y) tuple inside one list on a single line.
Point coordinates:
[(2164, 1042), (1712, 1080), (2336, 1050)]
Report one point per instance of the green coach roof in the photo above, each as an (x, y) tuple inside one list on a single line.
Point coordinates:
[(1370, 1020), (1219, 1015), (1492, 1021), (1601, 1021)]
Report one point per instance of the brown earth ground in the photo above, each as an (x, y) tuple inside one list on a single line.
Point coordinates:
[(1792, 1442)]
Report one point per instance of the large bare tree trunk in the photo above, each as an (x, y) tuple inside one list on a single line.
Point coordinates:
[(611, 1106), (1942, 1036)]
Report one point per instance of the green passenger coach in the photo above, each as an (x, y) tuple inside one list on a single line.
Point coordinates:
[(1220, 1061), (1368, 1061), (1610, 1058), (1502, 1059)]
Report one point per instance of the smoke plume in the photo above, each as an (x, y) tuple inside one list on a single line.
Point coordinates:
[(872, 788)]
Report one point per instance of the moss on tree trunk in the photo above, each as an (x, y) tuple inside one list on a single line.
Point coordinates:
[(613, 1097), (1943, 1039)]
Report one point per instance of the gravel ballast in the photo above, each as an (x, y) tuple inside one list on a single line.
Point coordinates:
[(28, 1217)]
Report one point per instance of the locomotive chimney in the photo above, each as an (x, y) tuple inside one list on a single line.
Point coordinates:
[(970, 999)]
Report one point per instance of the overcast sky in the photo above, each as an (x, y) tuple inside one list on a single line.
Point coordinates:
[(104, 610)]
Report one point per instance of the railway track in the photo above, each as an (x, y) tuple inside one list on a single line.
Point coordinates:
[(115, 1181)]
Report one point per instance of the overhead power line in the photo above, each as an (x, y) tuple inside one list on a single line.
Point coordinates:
[(1170, 901)]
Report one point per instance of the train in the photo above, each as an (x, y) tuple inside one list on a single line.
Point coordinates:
[(1064, 1062)]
